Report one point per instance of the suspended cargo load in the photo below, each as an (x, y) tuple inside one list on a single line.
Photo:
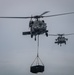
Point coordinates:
[(39, 67)]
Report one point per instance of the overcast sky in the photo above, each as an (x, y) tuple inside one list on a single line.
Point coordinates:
[(17, 52)]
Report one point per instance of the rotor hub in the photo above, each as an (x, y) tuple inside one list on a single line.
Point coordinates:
[(37, 17)]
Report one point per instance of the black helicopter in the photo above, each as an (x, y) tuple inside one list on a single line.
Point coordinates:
[(61, 39), (37, 26)]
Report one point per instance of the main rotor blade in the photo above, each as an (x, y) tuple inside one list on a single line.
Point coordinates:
[(40, 15), (59, 14), (68, 34), (17, 17), (53, 34), (61, 34), (44, 13)]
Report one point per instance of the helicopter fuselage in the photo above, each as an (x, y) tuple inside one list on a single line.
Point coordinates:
[(38, 27)]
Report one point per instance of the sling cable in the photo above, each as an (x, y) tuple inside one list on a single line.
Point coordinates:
[(39, 67)]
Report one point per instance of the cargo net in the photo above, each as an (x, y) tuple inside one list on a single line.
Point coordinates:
[(37, 65)]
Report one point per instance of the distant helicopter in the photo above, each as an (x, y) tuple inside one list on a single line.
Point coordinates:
[(37, 26), (61, 39)]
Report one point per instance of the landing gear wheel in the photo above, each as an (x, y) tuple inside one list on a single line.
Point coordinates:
[(31, 35), (65, 43), (46, 34)]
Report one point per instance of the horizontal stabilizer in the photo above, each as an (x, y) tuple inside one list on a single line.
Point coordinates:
[(26, 33)]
